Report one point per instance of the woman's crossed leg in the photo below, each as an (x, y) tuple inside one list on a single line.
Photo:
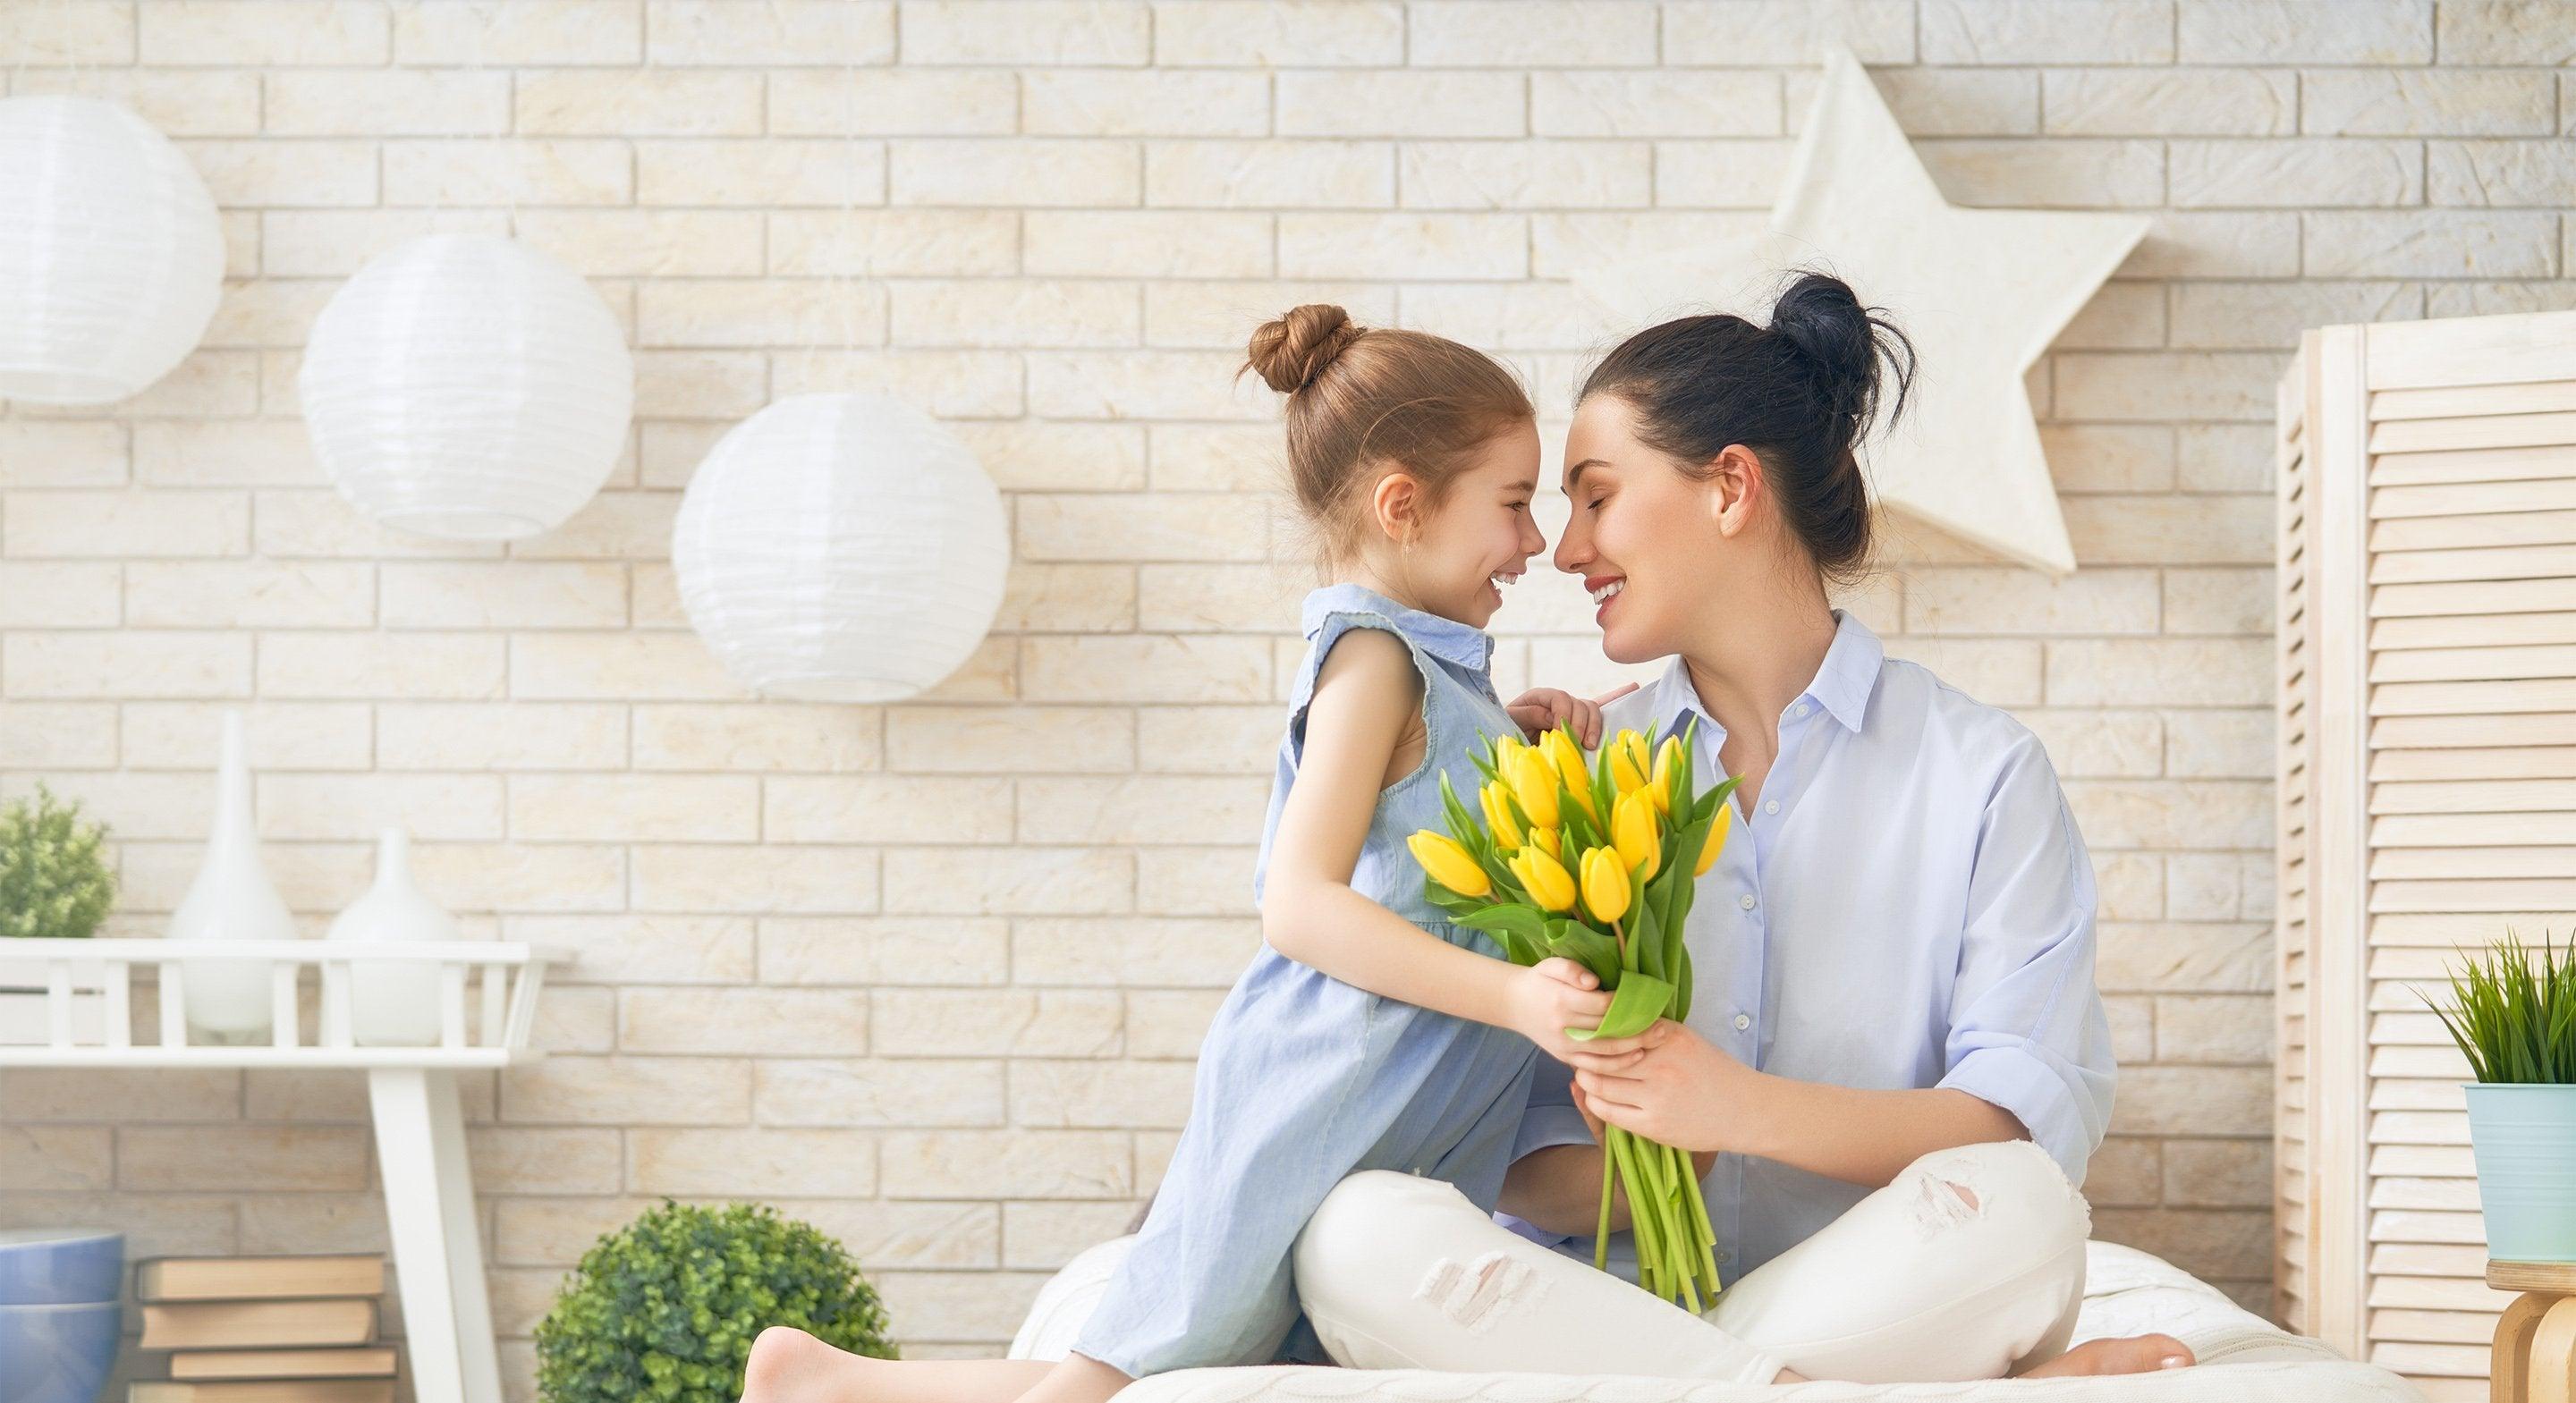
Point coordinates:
[(1969, 1265)]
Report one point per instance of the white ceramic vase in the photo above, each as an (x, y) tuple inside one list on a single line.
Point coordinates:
[(231, 899), (393, 1004)]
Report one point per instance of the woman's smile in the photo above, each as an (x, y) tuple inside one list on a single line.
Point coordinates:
[(1604, 589)]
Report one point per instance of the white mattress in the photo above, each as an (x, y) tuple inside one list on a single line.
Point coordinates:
[(2127, 1292)]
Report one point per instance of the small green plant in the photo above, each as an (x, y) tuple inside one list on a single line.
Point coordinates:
[(2514, 1021), (53, 879), (665, 1308)]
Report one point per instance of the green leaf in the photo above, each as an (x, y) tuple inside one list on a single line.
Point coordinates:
[(1587, 947), (1525, 921), (1646, 933), (1639, 1000)]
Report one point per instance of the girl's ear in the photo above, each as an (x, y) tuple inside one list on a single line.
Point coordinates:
[(1734, 484), (1396, 503)]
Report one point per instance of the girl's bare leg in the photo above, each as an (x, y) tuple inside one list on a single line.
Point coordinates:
[(790, 1366)]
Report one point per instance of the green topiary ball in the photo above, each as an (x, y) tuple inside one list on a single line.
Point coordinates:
[(666, 1308)]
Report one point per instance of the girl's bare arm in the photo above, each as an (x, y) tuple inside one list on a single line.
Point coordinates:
[(1363, 698)]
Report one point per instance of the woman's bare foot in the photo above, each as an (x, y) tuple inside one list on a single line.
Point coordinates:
[(2136, 1354), (789, 1366)]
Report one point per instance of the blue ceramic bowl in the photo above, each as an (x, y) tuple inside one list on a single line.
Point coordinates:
[(57, 1354), (60, 1266)]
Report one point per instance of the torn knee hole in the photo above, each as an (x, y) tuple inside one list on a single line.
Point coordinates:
[(1473, 1295), (1941, 1204)]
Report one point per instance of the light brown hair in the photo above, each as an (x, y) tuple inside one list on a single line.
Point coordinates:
[(1362, 400)]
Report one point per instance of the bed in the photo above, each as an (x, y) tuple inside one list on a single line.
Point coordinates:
[(2127, 1292)]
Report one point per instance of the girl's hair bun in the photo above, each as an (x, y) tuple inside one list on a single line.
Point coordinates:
[(1288, 353)]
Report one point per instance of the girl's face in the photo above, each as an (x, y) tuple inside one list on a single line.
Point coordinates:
[(1648, 541), (1482, 535)]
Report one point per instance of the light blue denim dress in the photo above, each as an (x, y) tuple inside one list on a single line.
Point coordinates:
[(1304, 1079)]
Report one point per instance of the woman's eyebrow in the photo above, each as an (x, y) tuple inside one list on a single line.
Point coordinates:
[(1574, 474)]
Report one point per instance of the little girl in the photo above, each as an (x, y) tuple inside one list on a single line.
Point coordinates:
[(1368, 1033)]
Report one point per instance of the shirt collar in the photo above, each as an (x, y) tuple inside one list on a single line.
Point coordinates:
[(1463, 644), (1842, 685)]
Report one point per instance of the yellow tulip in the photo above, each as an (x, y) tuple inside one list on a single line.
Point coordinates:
[(1544, 878), (1563, 753), (1567, 758), (1498, 815), (1534, 784), (1545, 838), (1661, 786), (1605, 884), (1449, 864), (1716, 839), (1628, 761), (1633, 830)]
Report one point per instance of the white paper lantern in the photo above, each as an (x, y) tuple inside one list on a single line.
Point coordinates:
[(467, 387), (111, 257), (840, 547)]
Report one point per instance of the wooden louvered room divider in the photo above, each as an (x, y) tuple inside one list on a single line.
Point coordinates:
[(2427, 595)]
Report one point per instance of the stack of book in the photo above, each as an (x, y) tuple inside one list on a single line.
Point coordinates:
[(265, 1329)]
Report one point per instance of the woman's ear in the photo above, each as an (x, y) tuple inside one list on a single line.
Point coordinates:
[(1734, 483), (1396, 503)]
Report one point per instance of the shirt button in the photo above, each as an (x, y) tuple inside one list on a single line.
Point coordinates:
[(1798, 712), (1743, 1021), (1770, 806), (1745, 901), (1724, 1256)]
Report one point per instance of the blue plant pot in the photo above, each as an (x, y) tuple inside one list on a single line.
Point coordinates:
[(61, 1266), (2524, 1138), (57, 1354)]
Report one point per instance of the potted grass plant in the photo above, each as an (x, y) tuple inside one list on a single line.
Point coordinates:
[(2513, 1014), (56, 883)]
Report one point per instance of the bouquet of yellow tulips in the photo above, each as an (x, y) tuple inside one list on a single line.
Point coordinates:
[(1596, 862)]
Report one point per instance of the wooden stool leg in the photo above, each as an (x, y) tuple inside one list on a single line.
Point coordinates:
[(2510, 1381), (2553, 1354)]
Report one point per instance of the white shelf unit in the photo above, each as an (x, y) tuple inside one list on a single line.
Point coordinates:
[(2427, 792), (487, 1003)]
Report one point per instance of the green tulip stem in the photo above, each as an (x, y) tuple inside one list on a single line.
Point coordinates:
[(1699, 1217), (1601, 1235)]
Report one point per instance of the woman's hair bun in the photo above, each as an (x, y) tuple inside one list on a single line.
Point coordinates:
[(1289, 352), (1823, 318)]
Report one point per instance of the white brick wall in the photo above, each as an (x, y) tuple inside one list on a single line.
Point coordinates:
[(1054, 221)]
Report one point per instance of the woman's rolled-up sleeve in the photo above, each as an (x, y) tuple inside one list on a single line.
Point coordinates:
[(2027, 1029)]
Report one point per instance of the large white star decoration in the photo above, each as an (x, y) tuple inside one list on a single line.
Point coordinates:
[(1981, 292)]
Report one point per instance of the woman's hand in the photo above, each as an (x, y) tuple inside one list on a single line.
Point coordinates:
[(1553, 995), (1674, 1087), (1541, 709)]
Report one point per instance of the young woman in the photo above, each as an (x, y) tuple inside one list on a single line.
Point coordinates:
[(1896, 1063)]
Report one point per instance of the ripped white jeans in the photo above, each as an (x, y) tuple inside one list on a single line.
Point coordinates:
[(1969, 1265)]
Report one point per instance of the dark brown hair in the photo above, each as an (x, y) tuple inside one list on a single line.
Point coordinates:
[(1362, 398), (1800, 393)]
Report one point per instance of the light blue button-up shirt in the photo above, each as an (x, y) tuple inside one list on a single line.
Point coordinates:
[(1906, 904)]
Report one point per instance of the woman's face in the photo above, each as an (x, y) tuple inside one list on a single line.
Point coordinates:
[(1646, 539), (1482, 535)]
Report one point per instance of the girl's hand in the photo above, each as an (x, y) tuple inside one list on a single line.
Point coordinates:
[(1673, 1089), (1542, 709), (1553, 995)]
